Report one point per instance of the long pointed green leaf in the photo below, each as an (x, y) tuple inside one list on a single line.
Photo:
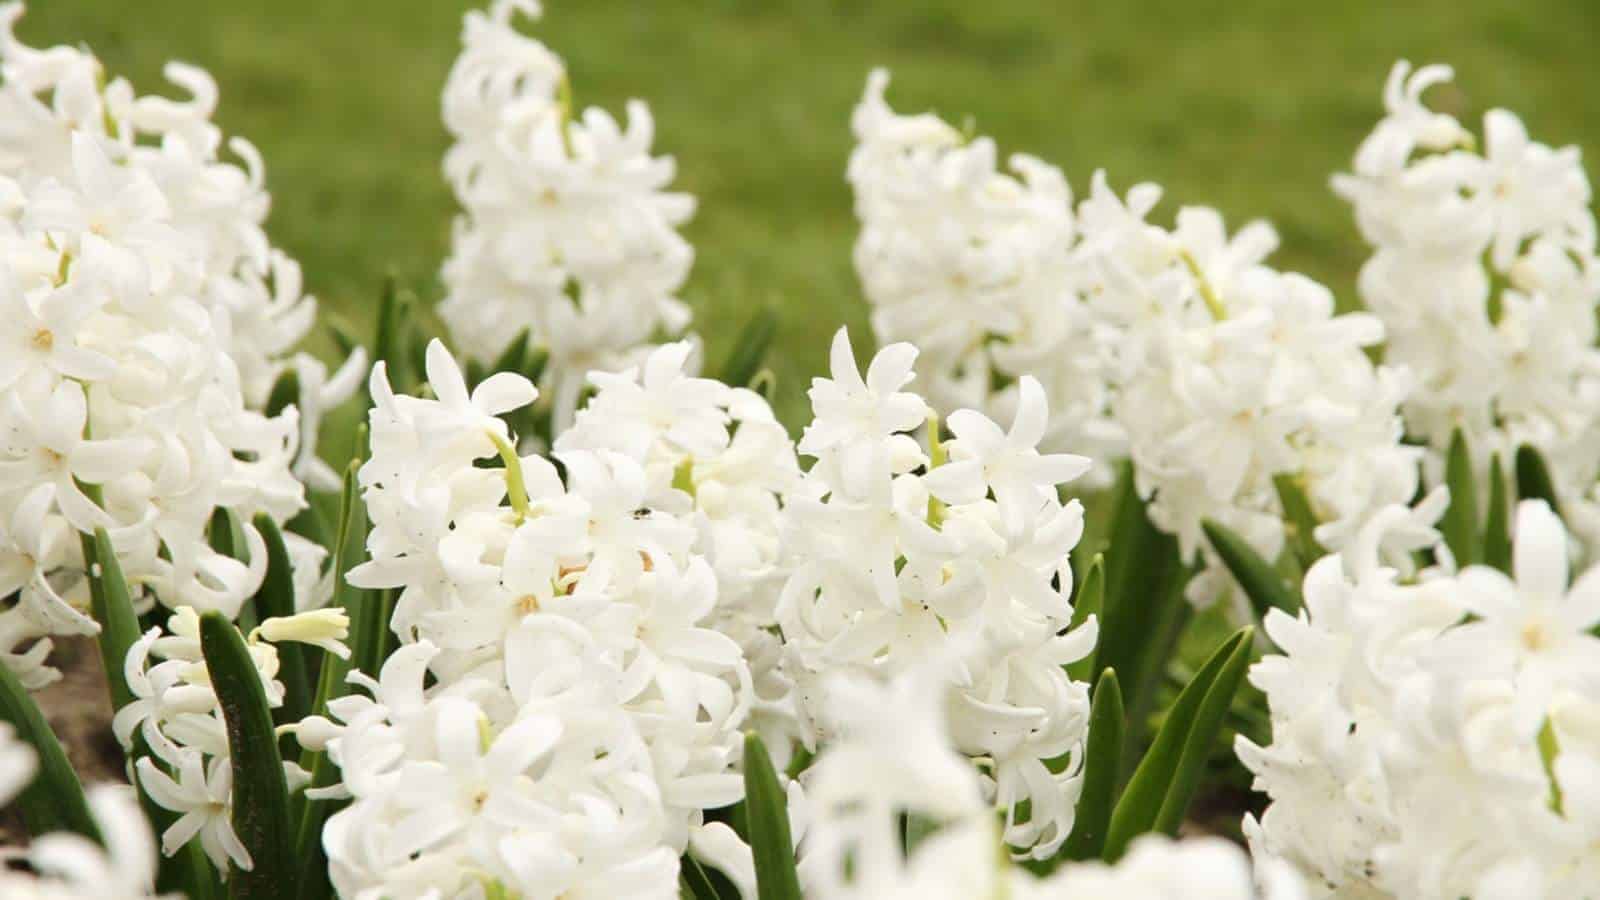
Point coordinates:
[(535, 362), (112, 607), (349, 549), (369, 626), (699, 883), (1533, 478), (1299, 520), (1143, 800), (514, 357), (227, 538), (1259, 580), (387, 330), (749, 349), (1202, 736), (260, 794), (275, 599), (1089, 600), (54, 801), (344, 336), (1142, 567), (767, 810), (285, 391), (1460, 523), (1497, 527), (1101, 761)]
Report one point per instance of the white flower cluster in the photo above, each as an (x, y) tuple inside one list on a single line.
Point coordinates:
[(1230, 374), (69, 866), (1437, 738), (973, 265), (718, 454), (582, 714), (898, 556), (175, 715), (893, 758), (1180, 347), (215, 206), (1485, 275), (568, 231), (144, 321)]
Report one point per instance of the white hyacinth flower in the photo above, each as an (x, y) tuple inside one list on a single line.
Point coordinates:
[(567, 230), (1484, 272), (1425, 734), (894, 559)]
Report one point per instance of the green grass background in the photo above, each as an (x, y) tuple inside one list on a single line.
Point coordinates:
[(1248, 106)]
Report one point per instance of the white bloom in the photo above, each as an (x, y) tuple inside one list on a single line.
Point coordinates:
[(885, 576), (857, 432), (325, 628), (200, 796), (720, 451), (1420, 731), (566, 617), (1180, 348), (67, 866), (983, 457), (1485, 275), (1530, 624), (567, 231), (894, 759), (18, 764), (1231, 376), (970, 263), (146, 319)]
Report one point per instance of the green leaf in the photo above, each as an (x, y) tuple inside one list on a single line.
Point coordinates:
[(749, 349), (387, 337), (275, 599), (311, 523), (285, 391), (1299, 519), (112, 607), (534, 364), (697, 882), (370, 642), (344, 337), (1202, 736), (1144, 803), (1460, 523), (1549, 749), (1260, 581), (514, 357), (54, 801), (349, 549), (1101, 763), (260, 794), (226, 533), (916, 829), (1497, 527), (768, 818), (765, 383), (1143, 597), (418, 360), (1089, 600), (1533, 478)]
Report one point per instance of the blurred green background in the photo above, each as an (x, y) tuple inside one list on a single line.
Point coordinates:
[(1248, 106)]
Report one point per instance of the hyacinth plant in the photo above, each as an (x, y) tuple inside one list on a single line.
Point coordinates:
[(1117, 517)]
